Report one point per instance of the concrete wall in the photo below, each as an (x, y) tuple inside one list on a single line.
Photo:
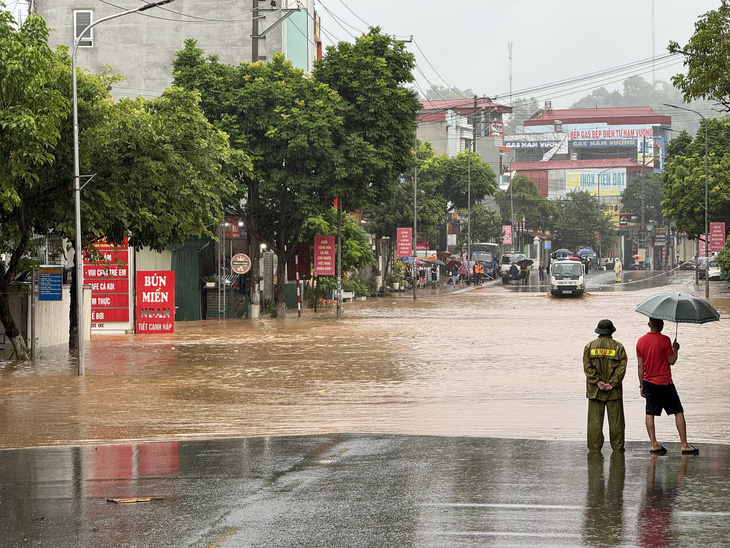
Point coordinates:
[(146, 259), (51, 318), (142, 46)]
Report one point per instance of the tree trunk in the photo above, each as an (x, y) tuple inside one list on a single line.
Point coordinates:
[(279, 295), (11, 329), (73, 327)]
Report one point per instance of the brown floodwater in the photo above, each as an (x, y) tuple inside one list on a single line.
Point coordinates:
[(489, 361)]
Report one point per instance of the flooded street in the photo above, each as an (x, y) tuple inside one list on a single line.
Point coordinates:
[(491, 361)]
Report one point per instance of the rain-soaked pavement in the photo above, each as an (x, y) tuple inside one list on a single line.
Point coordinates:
[(454, 420)]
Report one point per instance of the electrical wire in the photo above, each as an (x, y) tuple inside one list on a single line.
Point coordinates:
[(338, 21)]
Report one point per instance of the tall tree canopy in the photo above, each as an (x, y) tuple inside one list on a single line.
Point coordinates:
[(705, 57), (651, 186), (378, 113), (31, 111), (457, 179), (531, 210), (486, 226), (581, 220), (383, 218), (159, 168), (684, 179), (289, 124)]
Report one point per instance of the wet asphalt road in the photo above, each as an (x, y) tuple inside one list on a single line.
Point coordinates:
[(363, 490)]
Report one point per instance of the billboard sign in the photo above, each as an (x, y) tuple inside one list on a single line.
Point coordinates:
[(404, 242), (50, 280), (717, 236), (109, 278), (155, 301), (507, 238), (324, 255)]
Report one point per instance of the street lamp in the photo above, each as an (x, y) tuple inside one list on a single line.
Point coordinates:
[(707, 225), (79, 274)]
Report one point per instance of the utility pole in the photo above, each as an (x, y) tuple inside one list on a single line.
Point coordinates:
[(254, 31)]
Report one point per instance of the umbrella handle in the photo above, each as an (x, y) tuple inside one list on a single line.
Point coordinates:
[(676, 330)]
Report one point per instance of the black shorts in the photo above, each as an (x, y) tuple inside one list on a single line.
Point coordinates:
[(662, 396)]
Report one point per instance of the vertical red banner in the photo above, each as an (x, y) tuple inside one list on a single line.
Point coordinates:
[(109, 278), (717, 236), (324, 255), (404, 242), (155, 301)]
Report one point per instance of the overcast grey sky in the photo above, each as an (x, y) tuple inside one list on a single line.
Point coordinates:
[(463, 44)]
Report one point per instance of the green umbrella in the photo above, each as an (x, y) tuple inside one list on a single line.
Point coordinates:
[(679, 308)]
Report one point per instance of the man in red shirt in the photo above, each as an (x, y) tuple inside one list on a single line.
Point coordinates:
[(656, 354)]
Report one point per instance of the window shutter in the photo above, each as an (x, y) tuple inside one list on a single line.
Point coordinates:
[(82, 19)]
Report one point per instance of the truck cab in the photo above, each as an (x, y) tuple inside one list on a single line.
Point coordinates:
[(487, 259), (567, 277), (508, 259)]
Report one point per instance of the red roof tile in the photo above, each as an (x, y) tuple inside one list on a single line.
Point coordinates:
[(609, 115), (435, 110)]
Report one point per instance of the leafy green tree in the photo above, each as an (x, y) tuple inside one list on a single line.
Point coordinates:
[(651, 185), (486, 226), (456, 179), (161, 170), (385, 217), (159, 167), (31, 111), (290, 124), (378, 113), (531, 210), (581, 217), (706, 59), (636, 92), (684, 179), (356, 250), (679, 145)]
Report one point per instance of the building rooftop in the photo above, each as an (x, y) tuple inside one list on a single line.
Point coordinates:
[(603, 163), (435, 110), (609, 115)]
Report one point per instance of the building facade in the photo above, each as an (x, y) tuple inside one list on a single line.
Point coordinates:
[(452, 125), (597, 150), (141, 46)]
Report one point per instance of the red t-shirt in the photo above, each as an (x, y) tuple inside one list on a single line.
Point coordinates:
[(654, 348)]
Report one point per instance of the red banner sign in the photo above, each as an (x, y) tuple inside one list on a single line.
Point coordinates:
[(101, 272), (110, 300), (109, 286), (109, 281), (404, 242), (155, 301), (717, 236), (324, 255)]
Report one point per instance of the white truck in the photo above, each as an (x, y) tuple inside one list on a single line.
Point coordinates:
[(567, 277)]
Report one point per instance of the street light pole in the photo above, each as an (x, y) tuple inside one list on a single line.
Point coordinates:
[(707, 224), (79, 273)]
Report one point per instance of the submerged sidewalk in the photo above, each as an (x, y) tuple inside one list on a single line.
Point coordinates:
[(363, 490)]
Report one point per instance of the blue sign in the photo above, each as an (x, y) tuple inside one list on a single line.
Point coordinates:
[(548, 244), (50, 281), (530, 144), (589, 143)]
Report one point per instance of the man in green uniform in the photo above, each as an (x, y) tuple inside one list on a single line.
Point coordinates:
[(604, 363)]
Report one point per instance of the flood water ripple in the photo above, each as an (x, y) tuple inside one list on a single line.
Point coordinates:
[(489, 361)]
